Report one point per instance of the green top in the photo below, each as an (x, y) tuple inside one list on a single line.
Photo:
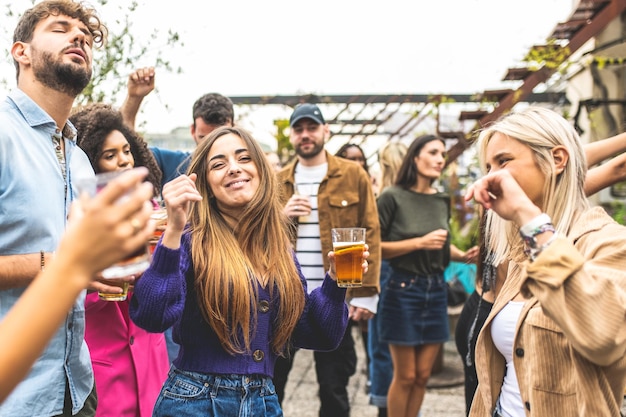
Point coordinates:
[(406, 214)]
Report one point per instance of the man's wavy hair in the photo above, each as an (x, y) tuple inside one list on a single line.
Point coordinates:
[(77, 10)]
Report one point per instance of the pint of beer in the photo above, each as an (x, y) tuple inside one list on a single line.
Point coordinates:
[(160, 218), (349, 245)]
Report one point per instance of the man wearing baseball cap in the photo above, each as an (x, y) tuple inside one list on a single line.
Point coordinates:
[(338, 193)]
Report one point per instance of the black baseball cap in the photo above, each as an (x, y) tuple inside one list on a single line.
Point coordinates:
[(307, 111)]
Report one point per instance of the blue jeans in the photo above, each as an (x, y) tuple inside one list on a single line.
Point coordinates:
[(191, 394), (381, 367)]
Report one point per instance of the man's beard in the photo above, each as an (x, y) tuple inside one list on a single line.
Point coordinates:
[(69, 79), (310, 153)]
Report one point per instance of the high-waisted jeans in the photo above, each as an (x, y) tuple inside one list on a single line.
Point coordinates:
[(191, 394)]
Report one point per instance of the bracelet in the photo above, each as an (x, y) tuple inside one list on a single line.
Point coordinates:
[(530, 228), (42, 260), (534, 252), (536, 226)]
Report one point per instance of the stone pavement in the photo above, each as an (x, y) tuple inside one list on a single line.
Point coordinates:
[(301, 391)]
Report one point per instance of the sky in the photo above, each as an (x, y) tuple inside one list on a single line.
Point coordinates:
[(288, 47)]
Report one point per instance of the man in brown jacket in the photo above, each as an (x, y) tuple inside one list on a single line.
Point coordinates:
[(321, 192)]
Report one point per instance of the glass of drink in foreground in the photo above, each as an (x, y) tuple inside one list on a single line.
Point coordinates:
[(135, 263), (160, 218), (349, 245), (115, 296)]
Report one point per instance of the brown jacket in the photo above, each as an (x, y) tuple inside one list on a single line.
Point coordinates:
[(345, 199), (570, 340)]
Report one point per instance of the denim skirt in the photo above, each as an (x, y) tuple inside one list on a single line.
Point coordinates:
[(192, 394), (413, 309)]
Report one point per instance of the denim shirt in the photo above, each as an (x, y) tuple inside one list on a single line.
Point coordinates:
[(34, 205)]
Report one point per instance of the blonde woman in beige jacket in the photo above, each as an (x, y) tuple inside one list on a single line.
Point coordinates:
[(554, 343)]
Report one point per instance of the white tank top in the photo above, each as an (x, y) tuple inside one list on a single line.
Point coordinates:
[(503, 333)]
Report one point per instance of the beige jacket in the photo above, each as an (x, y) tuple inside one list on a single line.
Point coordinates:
[(570, 340)]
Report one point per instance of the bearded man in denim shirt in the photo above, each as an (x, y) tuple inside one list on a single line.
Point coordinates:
[(39, 159)]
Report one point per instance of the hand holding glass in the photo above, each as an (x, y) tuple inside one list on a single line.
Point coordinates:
[(135, 263), (303, 193), (349, 245)]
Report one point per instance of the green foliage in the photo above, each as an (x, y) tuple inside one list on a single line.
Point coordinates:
[(464, 236), (602, 62), (123, 53), (617, 210), (113, 63), (284, 148), (551, 55)]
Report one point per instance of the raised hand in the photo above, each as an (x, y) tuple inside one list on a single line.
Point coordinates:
[(178, 195), (500, 192), (141, 82)]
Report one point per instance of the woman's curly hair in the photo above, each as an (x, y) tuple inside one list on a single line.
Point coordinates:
[(94, 122)]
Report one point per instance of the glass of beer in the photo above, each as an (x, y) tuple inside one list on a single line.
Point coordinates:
[(160, 218), (349, 245), (115, 296), (135, 263)]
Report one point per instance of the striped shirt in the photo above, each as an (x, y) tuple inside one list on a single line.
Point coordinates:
[(309, 244)]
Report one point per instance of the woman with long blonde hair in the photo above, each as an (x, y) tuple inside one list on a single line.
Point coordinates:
[(225, 275), (390, 159), (554, 342)]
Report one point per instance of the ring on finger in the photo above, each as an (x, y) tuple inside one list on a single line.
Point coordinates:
[(296, 207)]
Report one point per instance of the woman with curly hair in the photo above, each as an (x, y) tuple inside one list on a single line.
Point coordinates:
[(129, 363), (100, 124)]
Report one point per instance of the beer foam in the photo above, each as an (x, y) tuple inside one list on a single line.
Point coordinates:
[(344, 244)]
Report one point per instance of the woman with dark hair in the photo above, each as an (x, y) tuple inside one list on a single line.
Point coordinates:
[(225, 275), (129, 363), (353, 152), (110, 144), (415, 233)]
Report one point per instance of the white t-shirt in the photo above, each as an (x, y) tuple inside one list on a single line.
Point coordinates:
[(309, 244), (503, 333)]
